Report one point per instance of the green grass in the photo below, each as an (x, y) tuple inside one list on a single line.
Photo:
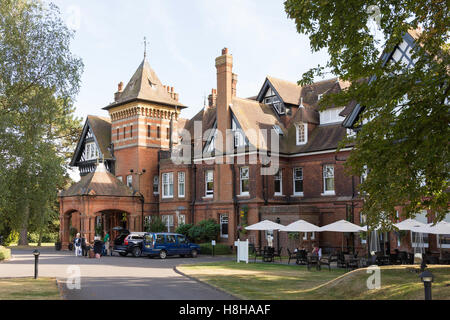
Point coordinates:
[(29, 289), (287, 282)]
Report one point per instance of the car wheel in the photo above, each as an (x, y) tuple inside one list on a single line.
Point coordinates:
[(163, 254), (136, 252), (194, 253), (123, 254)]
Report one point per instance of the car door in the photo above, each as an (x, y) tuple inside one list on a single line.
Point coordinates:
[(172, 246), (183, 245), (147, 243)]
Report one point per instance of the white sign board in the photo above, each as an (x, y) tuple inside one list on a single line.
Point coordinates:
[(242, 250), (213, 242)]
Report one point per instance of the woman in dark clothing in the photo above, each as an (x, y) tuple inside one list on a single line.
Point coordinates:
[(98, 246)]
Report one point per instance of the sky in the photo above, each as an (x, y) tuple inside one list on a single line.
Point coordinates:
[(183, 40)]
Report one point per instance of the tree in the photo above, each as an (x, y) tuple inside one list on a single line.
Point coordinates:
[(404, 139), (39, 79)]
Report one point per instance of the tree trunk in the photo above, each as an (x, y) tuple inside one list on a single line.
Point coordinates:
[(23, 235)]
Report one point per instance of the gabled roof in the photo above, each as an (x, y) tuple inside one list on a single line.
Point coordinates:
[(145, 85), (99, 183), (254, 116), (101, 129), (353, 112), (291, 93)]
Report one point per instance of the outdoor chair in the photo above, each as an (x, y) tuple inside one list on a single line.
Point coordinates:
[(278, 253), (351, 262), (313, 260), (291, 255), (268, 254), (256, 252), (301, 257), (340, 260), (445, 259), (326, 260)]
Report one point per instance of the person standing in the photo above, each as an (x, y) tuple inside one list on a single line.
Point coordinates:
[(98, 247), (106, 242), (77, 245), (84, 246)]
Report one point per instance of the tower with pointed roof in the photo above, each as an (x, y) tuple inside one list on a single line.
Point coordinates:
[(143, 117)]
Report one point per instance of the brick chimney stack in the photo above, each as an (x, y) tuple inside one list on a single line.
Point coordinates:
[(212, 98), (234, 84), (224, 66), (119, 91)]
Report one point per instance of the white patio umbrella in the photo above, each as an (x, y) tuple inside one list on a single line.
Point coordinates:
[(265, 225), (439, 228), (409, 225), (342, 226), (415, 226), (301, 226)]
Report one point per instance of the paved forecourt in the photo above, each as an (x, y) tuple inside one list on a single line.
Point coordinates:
[(114, 277)]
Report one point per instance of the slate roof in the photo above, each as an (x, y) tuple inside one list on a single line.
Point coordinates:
[(99, 183), (253, 116), (145, 85)]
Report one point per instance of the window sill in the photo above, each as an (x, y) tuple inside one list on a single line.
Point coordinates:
[(300, 194), (244, 195), (328, 193), (208, 197), (168, 197), (224, 236), (278, 195)]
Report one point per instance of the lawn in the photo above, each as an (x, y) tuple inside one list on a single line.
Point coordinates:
[(29, 289), (287, 282)]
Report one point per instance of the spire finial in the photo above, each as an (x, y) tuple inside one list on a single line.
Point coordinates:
[(145, 47)]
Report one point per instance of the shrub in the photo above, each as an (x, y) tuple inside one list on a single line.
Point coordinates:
[(12, 237), (156, 225), (4, 253), (206, 248), (184, 229), (205, 230)]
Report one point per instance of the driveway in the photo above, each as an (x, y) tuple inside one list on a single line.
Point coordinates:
[(115, 277)]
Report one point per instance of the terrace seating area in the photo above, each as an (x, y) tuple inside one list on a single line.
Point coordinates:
[(336, 258)]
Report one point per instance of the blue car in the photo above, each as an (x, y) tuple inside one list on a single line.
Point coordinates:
[(165, 244)]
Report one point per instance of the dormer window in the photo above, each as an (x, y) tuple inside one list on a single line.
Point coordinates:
[(301, 133), (272, 99), (239, 137), (278, 130)]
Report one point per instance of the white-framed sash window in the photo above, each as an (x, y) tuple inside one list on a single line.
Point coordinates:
[(181, 184), (167, 185), (244, 175), (298, 181)]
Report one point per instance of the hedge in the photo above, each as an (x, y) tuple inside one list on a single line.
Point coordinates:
[(5, 253), (206, 248)]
